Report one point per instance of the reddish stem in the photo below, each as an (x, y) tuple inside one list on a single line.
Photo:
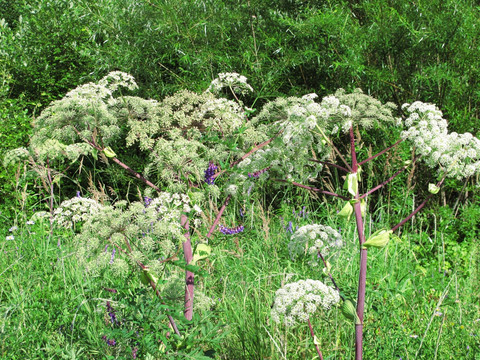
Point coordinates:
[(401, 223), (380, 153), (189, 276), (330, 164), (362, 275), (115, 160), (313, 189), (330, 276), (313, 337), (219, 215), (152, 284), (387, 181)]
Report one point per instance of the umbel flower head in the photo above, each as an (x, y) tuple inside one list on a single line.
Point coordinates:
[(313, 239), (456, 155), (299, 301), (75, 210)]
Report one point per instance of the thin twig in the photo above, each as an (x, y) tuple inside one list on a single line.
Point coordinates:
[(313, 337), (330, 276), (439, 184), (330, 164), (380, 153), (388, 180), (313, 189), (219, 215), (115, 160)]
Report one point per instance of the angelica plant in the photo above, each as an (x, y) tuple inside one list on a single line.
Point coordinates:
[(450, 154), (142, 236)]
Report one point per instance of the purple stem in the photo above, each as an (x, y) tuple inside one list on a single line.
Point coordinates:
[(330, 164), (152, 284), (115, 160), (313, 189), (189, 276), (362, 275), (380, 153), (401, 223), (388, 180), (313, 337), (330, 276), (219, 215)]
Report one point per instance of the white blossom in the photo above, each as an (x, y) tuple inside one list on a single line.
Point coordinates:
[(298, 301), (309, 240)]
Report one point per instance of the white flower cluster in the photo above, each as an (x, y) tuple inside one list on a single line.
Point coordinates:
[(288, 155), (357, 108), (298, 301), (15, 156), (236, 82), (103, 89), (116, 79), (152, 229), (457, 155), (313, 239), (75, 210)]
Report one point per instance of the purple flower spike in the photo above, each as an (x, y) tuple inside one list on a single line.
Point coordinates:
[(78, 194), (210, 172), (290, 227), (147, 201), (113, 256), (231, 231), (111, 313)]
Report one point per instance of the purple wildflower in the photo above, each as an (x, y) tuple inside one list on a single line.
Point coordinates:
[(110, 342), (106, 247), (231, 231), (111, 313), (78, 194), (113, 256), (290, 227), (147, 201), (134, 352), (210, 172)]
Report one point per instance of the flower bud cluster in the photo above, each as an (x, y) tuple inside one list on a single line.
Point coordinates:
[(313, 239), (456, 155), (298, 301), (75, 210)]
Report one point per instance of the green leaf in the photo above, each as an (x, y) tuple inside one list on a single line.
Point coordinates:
[(352, 183), (432, 188), (347, 211), (201, 252), (349, 311), (378, 239), (109, 152)]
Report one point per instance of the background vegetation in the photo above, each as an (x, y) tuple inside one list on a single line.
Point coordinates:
[(394, 50)]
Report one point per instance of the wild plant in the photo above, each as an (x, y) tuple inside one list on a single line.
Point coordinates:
[(206, 146), (449, 154)]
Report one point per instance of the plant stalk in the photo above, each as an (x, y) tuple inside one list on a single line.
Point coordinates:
[(189, 276)]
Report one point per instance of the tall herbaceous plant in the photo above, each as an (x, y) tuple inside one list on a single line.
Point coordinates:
[(197, 149)]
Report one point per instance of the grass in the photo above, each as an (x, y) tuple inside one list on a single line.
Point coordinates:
[(50, 310)]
